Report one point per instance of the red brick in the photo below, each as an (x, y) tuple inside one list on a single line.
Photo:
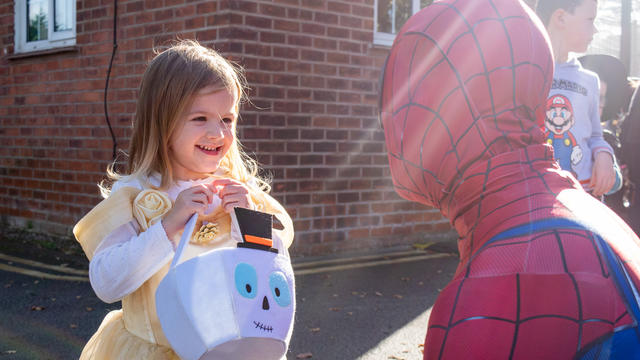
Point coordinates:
[(288, 107), (365, 36), (323, 198), (322, 69), (339, 7), (346, 222), (363, 11), (298, 147), (206, 7), (298, 173), (299, 40), (272, 10), (325, 173), (272, 37), (286, 134), (285, 25), (313, 108)]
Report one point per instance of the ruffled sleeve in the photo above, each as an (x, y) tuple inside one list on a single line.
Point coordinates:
[(110, 214)]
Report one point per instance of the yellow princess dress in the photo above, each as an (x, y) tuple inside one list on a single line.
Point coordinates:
[(134, 332)]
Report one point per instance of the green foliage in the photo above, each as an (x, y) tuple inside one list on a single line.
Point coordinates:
[(38, 27)]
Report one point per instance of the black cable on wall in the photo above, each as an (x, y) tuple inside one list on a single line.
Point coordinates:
[(106, 85)]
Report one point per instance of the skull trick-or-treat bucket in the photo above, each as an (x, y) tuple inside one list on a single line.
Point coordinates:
[(230, 303)]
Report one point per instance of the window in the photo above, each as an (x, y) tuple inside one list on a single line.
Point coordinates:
[(44, 24), (390, 15)]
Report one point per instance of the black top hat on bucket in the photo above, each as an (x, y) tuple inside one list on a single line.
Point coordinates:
[(255, 228)]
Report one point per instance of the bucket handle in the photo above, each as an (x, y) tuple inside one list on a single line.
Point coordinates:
[(184, 239)]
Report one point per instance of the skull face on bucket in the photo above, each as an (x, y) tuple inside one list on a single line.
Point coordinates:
[(230, 300), (263, 296), (230, 303)]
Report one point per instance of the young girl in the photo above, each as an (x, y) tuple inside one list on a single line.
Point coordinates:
[(184, 158)]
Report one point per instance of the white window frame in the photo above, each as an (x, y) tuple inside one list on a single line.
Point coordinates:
[(383, 38), (55, 39)]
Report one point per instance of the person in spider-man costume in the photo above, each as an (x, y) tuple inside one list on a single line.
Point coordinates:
[(546, 271)]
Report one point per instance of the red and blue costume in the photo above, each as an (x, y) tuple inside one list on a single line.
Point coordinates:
[(546, 271)]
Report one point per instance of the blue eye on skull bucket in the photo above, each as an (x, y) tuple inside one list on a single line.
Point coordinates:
[(246, 280), (280, 288)]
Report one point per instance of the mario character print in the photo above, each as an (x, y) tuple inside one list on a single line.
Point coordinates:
[(558, 122)]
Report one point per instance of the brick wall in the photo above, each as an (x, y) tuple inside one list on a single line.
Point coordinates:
[(312, 123)]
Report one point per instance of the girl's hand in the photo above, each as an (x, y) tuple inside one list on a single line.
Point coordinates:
[(603, 176), (232, 193), (189, 201)]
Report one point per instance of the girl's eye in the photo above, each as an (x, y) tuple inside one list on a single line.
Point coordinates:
[(227, 120), (200, 118)]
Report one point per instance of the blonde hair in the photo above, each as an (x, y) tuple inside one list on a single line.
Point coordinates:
[(167, 88)]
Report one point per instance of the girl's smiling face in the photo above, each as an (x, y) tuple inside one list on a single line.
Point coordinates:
[(204, 133)]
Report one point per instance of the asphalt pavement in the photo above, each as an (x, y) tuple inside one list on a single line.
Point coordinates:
[(373, 307)]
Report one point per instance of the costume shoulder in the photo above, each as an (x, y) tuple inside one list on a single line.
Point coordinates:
[(266, 203), (133, 183), (108, 215)]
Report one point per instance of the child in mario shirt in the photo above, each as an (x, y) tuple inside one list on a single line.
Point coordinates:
[(572, 110), (572, 123)]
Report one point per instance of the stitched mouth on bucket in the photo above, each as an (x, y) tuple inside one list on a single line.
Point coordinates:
[(262, 326)]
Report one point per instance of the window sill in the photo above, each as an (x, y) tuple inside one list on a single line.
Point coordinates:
[(378, 46), (28, 54)]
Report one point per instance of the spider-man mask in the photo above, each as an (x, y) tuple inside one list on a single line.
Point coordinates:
[(451, 98)]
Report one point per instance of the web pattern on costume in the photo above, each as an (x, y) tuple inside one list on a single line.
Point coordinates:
[(452, 99), (569, 305), (479, 80)]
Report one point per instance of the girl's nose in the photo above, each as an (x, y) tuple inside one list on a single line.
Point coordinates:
[(215, 130)]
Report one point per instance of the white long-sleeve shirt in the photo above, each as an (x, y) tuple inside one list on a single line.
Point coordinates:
[(126, 258)]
